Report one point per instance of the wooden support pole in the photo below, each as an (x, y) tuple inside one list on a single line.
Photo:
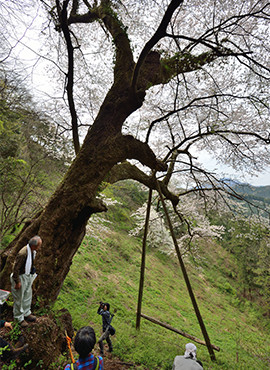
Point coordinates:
[(147, 217), (184, 271), (194, 339)]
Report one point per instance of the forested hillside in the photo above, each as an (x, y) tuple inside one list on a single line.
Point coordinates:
[(32, 159), (107, 268), (254, 193)]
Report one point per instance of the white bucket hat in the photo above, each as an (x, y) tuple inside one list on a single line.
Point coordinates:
[(190, 349)]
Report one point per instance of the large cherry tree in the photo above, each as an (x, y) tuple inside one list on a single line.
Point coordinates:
[(196, 74)]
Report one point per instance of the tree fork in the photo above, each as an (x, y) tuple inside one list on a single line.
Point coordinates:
[(61, 224)]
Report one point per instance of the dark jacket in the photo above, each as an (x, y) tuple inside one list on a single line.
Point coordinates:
[(19, 265), (106, 318)]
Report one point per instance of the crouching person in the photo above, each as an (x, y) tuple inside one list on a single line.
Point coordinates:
[(189, 360), (84, 342), (7, 351)]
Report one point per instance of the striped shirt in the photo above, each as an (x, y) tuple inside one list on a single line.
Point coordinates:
[(87, 363)]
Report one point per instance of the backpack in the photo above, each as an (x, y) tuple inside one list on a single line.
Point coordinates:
[(96, 365), (111, 330)]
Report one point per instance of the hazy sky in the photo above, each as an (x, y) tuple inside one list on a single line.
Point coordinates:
[(262, 179)]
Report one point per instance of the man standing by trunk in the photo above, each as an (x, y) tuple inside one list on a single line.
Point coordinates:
[(22, 278)]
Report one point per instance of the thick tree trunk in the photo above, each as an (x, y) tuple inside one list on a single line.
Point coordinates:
[(61, 225)]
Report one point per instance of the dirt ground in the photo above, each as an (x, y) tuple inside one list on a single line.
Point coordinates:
[(112, 363)]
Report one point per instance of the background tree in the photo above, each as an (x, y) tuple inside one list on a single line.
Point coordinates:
[(204, 72), (247, 239), (192, 226), (30, 165)]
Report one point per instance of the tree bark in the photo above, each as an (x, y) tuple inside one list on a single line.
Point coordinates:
[(61, 224)]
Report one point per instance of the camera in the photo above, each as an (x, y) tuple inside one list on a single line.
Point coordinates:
[(101, 304)]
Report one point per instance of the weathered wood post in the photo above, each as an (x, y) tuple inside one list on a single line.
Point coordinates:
[(147, 217), (184, 271)]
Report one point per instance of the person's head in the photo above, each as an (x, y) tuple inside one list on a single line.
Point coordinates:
[(106, 306), (35, 243), (85, 341), (191, 350)]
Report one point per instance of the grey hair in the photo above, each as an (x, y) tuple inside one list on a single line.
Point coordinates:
[(35, 240)]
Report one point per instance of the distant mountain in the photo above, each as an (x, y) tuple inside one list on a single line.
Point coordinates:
[(250, 192)]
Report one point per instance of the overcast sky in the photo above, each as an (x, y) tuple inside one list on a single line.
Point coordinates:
[(262, 179)]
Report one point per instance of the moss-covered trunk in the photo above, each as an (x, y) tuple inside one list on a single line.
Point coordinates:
[(61, 224)]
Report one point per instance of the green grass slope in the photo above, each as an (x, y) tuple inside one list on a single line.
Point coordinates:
[(107, 268)]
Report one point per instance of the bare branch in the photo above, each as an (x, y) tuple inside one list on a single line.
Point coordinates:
[(62, 13), (159, 34)]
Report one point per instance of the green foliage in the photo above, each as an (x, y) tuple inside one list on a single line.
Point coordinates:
[(3, 349), (9, 135), (10, 366), (127, 195), (31, 162), (59, 364), (8, 237), (225, 286), (15, 333), (247, 239)]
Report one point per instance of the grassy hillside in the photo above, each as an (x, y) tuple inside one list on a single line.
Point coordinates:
[(107, 268)]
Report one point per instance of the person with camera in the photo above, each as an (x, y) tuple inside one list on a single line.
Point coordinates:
[(7, 351), (104, 311)]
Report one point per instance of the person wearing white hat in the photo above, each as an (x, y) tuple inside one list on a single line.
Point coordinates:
[(189, 360)]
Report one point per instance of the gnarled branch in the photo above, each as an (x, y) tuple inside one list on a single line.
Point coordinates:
[(126, 170)]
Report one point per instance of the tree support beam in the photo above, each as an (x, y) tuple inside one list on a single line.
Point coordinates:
[(184, 271), (140, 295), (180, 332)]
